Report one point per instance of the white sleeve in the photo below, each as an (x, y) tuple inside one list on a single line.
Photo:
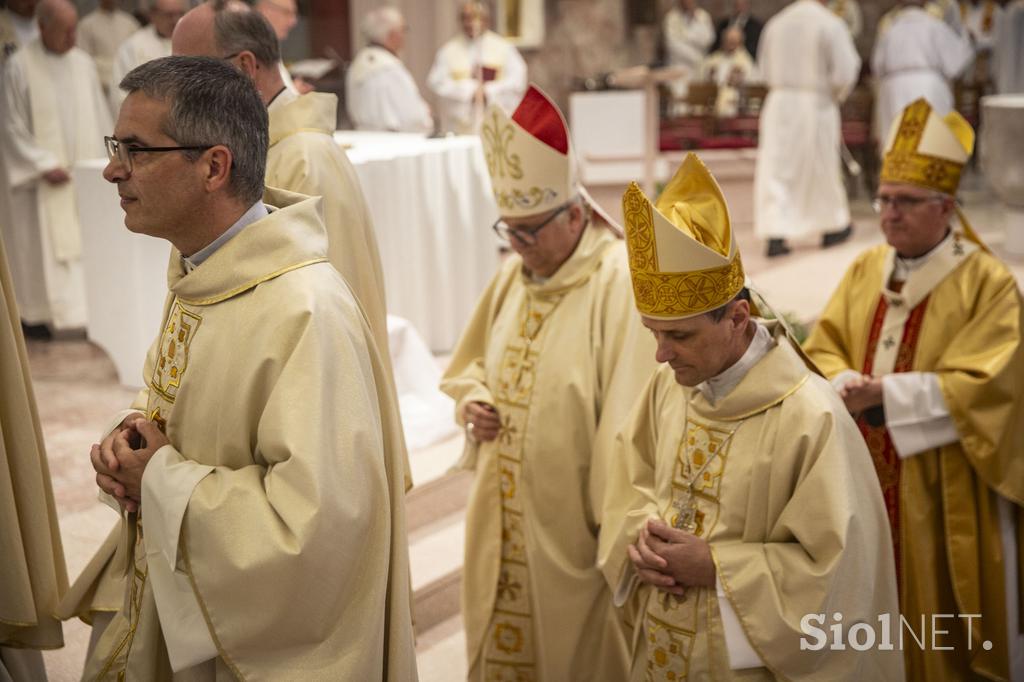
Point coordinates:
[(846, 376), (916, 413), (439, 80), (24, 160), (167, 486), (398, 102), (741, 653)]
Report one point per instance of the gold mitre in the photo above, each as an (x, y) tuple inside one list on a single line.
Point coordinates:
[(927, 150), (529, 156), (683, 258)]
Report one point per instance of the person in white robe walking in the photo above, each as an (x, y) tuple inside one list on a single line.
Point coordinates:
[(918, 55), (809, 63)]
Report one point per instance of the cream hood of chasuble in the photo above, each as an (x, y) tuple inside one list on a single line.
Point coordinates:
[(930, 151), (531, 160), (683, 258)]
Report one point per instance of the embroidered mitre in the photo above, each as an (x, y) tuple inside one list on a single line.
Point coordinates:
[(683, 257), (529, 156), (927, 150)]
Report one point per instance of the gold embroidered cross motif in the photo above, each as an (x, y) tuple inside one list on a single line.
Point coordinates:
[(889, 342)]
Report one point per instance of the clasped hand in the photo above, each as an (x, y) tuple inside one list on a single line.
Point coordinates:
[(862, 393), (671, 559), (121, 459)]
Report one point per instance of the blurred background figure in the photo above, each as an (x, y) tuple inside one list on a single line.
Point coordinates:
[(981, 20), (17, 26), (148, 43), (729, 67), (918, 55), (379, 90), (102, 32), (741, 18), (810, 65), (54, 115), (688, 33), (849, 11), (473, 69)]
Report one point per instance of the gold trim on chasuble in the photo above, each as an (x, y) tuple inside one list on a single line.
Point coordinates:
[(671, 624), (509, 654), (669, 294), (172, 361)]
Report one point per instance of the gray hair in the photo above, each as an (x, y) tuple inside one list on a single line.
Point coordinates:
[(379, 22), (237, 29), (211, 103)]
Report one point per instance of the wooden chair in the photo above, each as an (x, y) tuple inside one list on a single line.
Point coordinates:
[(696, 123)]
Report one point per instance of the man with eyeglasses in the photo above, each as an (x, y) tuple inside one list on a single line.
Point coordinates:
[(259, 473), (148, 43), (54, 114), (922, 339), (542, 377)]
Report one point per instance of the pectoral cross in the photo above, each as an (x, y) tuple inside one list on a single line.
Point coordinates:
[(686, 512)]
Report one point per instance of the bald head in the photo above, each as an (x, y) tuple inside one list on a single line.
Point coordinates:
[(232, 30), (57, 20), (193, 35)]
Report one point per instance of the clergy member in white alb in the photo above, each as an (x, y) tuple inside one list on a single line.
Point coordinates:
[(17, 26), (688, 33), (102, 32), (148, 43), (474, 69), (379, 91), (918, 55), (54, 115), (808, 60)]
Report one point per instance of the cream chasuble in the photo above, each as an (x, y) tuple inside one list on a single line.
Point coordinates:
[(381, 94), (778, 481), (32, 570), (292, 537), (304, 158), (561, 361), (959, 317), (54, 116)]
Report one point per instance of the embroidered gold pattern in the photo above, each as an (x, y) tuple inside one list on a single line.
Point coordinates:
[(509, 645), (497, 139), (668, 294), (518, 200), (671, 623), (903, 163)]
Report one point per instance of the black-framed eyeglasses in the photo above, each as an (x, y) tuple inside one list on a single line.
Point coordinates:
[(123, 152), (901, 202), (525, 235)]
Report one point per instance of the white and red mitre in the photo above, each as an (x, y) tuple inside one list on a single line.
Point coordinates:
[(529, 156)]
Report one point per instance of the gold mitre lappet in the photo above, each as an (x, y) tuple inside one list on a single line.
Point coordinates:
[(683, 257), (529, 156), (927, 150)]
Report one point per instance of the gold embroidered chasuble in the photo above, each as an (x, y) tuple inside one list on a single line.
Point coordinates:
[(32, 573), (788, 501), (294, 543), (966, 328), (561, 361)]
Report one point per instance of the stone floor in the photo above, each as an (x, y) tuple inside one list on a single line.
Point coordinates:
[(77, 393)]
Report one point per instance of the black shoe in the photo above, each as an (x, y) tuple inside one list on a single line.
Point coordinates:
[(36, 331), (832, 238), (777, 247)]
